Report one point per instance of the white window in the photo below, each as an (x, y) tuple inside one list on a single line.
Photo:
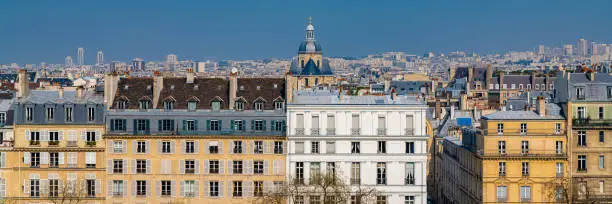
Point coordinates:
[(491, 86), (216, 106), (91, 114), (50, 113), (28, 113), (525, 193), (239, 105), (502, 193), (118, 146), (409, 200), (521, 86), (581, 112), (513, 86), (500, 128), (505, 86), (278, 105), (118, 188), (259, 106), (191, 105), (409, 178)]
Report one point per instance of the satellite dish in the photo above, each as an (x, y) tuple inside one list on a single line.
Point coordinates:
[(234, 70)]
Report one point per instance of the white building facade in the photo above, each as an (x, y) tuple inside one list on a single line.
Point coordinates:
[(371, 141)]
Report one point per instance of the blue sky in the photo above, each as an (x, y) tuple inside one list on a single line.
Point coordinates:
[(33, 31)]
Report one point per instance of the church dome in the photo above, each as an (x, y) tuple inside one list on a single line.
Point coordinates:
[(309, 46)]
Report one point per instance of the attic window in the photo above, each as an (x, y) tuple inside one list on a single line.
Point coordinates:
[(145, 104), (259, 106), (258, 88), (196, 87), (242, 88), (275, 85), (148, 87), (121, 105), (126, 87), (219, 87), (171, 87)]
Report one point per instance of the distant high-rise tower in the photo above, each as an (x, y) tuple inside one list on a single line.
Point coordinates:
[(582, 47), (68, 61), (81, 54), (568, 50), (541, 49), (100, 58), (171, 61), (138, 64)]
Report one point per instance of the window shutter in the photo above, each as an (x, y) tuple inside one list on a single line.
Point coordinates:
[(109, 188), (26, 187), (230, 191), (44, 186), (196, 147), (266, 167), (232, 147), (112, 125), (173, 189), (26, 157), (206, 189), (172, 146), (124, 121), (233, 126), (149, 168), (195, 124), (147, 125), (83, 135), (182, 188), (221, 167), (133, 166), (109, 146), (183, 146), (248, 188), (206, 167), (147, 146), (134, 125), (98, 186), (148, 192), (184, 125), (182, 166), (134, 188), (27, 135), (159, 147), (248, 166), (207, 147), (44, 158), (230, 167), (134, 147), (125, 144), (159, 125), (264, 125), (220, 147), (158, 188), (109, 166), (60, 135), (197, 188), (266, 146), (273, 125), (124, 170), (221, 189), (285, 150), (283, 125), (252, 124), (61, 157), (44, 135), (207, 124), (197, 166), (98, 135)]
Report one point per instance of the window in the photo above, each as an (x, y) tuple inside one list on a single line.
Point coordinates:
[(513, 86), (315, 170), (118, 125), (501, 146), (355, 173), (582, 138), (382, 147), (258, 167), (190, 165), (525, 168), (259, 106), (581, 110), (213, 188), (35, 188), (355, 130), (90, 136), (601, 136), (35, 159), (53, 187), (315, 199), (331, 124), (278, 147), (190, 147), (409, 200), (53, 136), (299, 147), (331, 168), (191, 105), (168, 105), (141, 147), (502, 193), (278, 105), (559, 147), (381, 199), (523, 128), (214, 125), (299, 172), (258, 147), (53, 159), (2, 118), (166, 188), (35, 138), (521, 87), (580, 92), (213, 166), (238, 125), (258, 125), (500, 128), (118, 146), (502, 168), (355, 147), (216, 105), (141, 125), (524, 147), (525, 194), (528, 86), (117, 166), (68, 114), (559, 168), (237, 166), (314, 147), (537, 87), (557, 128), (91, 113), (90, 185), (166, 125), (166, 147), (141, 166), (409, 174), (28, 113), (381, 173), (331, 147), (582, 161), (600, 115), (190, 188), (409, 147), (50, 113), (299, 199), (278, 125), (118, 186), (144, 105), (90, 159), (237, 147), (602, 161), (237, 189), (239, 105), (601, 186)]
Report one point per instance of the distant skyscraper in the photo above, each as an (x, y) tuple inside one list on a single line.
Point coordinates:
[(138, 64), (68, 61), (81, 54), (100, 58), (594, 48), (541, 49), (171, 61), (568, 50), (200, 66), (582, 47)]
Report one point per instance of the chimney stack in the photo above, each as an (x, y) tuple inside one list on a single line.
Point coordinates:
[(80, 92), (190, 76), (233, 87), (463, 102), (591, 75), (541, 106), (23, 83), (60, 92), (158, 85), (470, 77)]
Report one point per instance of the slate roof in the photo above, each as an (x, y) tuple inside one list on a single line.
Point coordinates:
[(61, 81), (266, 89), (480, 73), (553, 112), (408, 87), (13, 77), (52, 96), (133, 89), (310, 68), (594, 90), (208, 89)]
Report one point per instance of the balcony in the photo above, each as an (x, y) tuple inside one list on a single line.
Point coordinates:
[(331, 131), (502, 200), (71, 143), (355, 181), (34, 143), (53, 143), (525, 200), (559, 174), (314, 131), (91, 143), (518, 153), (593, 123), (381, 131), (529, 132), (355, 131), (300, 131), (409, 131), (409, 180)]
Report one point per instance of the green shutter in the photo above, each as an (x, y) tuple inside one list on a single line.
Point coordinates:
[(243, 125), (134, 124), (263, 126), (195, 125), (273, 126), (184, 125), (160, 125), (112, 125), (207, 124), (232, 125), (172, 124), (147, 125), (220, 124), (124, 125), (284, 126), (252, 124)]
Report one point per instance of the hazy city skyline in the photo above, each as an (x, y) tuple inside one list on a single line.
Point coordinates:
[(50, 31)]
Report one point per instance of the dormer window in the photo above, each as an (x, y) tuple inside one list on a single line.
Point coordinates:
[(191, 105), (278, 105), (528, 86), (168, 105), (580, 92), (50, 113), (29, 113), (239, 105), (121, 105), (144, 104), (216, 105), (259, 106)]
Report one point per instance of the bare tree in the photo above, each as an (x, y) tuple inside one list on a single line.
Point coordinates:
[(328, 188), (558, 190), (70, 192)]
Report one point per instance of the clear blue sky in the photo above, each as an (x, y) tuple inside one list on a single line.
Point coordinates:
[(32, 31)]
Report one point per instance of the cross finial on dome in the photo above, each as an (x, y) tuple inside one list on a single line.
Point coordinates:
[(309, 19)]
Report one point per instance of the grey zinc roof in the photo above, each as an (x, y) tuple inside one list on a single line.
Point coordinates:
[(52, 96), (553, 112), (332, 98), (594, 90)]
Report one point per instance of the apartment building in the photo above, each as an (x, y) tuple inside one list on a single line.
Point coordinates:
[(6, 137), (194, 140), (587, 98), (57, 153), (371, 141)]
